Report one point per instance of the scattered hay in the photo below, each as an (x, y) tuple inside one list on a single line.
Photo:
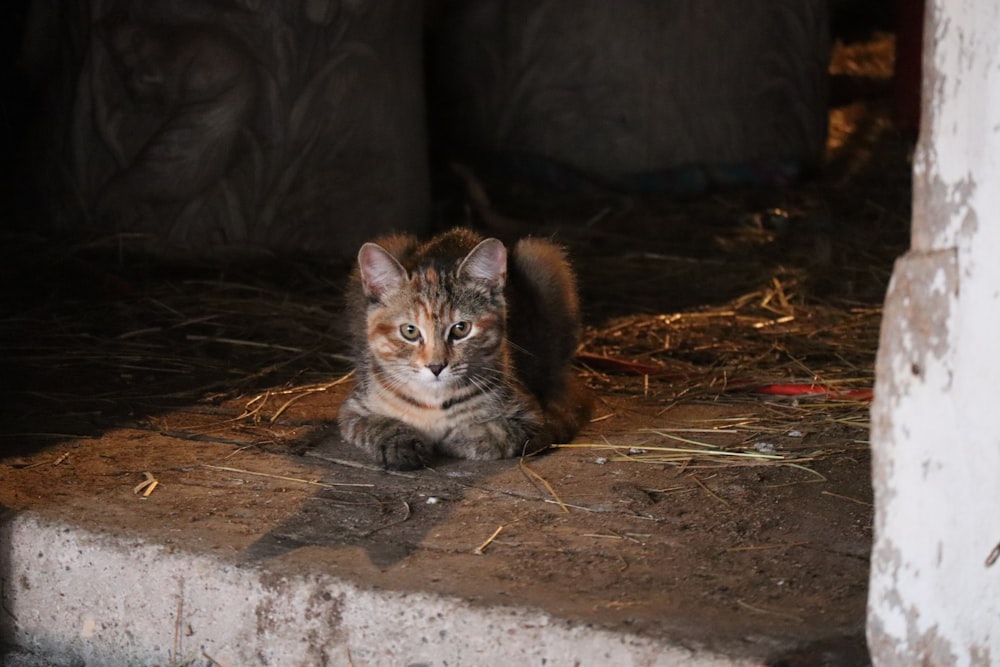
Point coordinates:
[(752, 341), (90, 335)]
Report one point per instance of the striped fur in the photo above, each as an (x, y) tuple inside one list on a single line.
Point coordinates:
[(461, 350)]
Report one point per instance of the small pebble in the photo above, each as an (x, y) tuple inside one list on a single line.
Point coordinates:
[(795, 434), (433, 500), (636, 450), (764, 447), (600, 460)]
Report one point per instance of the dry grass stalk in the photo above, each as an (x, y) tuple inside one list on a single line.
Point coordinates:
[(769, 612), (489, 540), (285, 478), (691, 458), (847, 498), (406, 517), (147, 486), (766, 547), (534, 475), (707, 490)]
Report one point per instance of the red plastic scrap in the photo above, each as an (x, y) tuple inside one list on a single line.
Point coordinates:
[(813, 390)]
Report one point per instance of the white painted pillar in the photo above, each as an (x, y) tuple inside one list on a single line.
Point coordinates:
[(935, 596)]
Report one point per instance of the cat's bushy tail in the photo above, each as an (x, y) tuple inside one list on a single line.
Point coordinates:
[(565, 416)]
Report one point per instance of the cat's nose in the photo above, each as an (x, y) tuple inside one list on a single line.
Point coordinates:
[(436, 368)]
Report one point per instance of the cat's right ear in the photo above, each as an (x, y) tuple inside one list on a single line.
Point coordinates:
[(486, 262), (381, 273)]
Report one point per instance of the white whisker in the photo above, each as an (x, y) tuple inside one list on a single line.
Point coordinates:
[(514, 346)]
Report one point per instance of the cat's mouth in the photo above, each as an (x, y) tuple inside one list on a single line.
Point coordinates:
[(441, 380)]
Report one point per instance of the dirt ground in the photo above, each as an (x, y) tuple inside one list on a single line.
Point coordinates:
[(720, 495)]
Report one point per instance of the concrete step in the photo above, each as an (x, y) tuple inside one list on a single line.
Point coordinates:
[(80, 597)]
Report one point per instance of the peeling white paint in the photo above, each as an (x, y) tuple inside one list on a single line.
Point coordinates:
[(936, 447), (963, 104), (939, 284)]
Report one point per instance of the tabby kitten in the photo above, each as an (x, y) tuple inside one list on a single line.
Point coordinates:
[(460, 350)]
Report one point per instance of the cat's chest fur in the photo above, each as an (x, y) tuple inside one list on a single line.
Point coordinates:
[(433, 410), (461, 349)]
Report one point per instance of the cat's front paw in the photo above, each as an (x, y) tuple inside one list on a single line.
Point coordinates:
[(403, 451), (387, 441)]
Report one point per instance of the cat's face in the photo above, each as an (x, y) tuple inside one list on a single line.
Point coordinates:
[(439, 326)]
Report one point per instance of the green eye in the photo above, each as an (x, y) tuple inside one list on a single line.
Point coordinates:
[(459, 330), (410, 332)]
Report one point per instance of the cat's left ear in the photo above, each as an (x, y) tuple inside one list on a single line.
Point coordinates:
[(381, 273), (486, 262)]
